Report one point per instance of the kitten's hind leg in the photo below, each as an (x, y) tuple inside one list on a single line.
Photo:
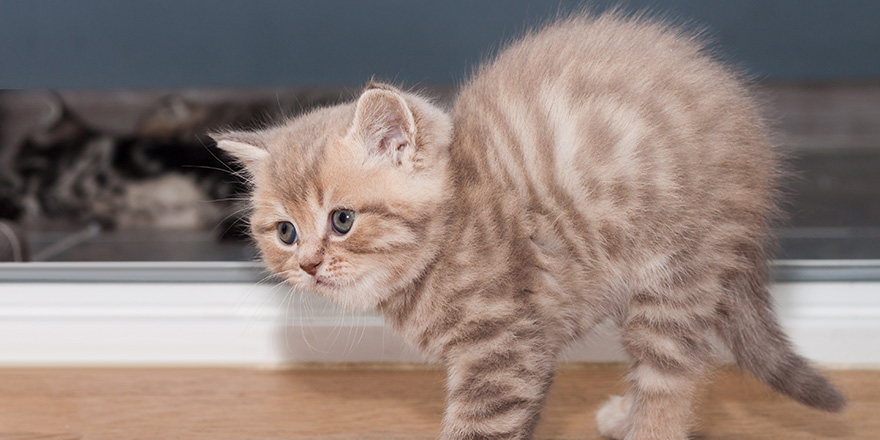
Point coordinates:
[(614, 416), (669, 340)]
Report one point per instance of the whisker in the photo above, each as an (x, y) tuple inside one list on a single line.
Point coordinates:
[(214, 155), (244, 297), (228, 199), (309, 312), (237, 211), (363, 332), (229, 171), (272, 292)]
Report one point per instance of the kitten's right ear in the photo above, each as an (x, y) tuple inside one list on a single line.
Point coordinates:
[(385, 124), (247, 147)]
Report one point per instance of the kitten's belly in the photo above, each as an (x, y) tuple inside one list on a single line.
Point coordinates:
[(572, 275)]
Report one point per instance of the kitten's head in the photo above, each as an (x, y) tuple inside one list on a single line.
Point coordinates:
[(350, 201)]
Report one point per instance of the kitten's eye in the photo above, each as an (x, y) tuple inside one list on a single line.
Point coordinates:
[(342, 219), (286, 232)]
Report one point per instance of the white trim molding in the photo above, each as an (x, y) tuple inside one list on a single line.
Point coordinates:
[(243, 271), (58, 323)]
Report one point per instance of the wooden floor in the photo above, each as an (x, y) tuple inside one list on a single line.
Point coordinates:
[(371, 403)]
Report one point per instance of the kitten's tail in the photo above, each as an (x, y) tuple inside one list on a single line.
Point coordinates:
[(761, 347)]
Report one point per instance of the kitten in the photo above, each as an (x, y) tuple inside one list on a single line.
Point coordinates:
[(603, 167)]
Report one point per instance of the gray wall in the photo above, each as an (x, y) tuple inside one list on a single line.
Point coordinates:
[(203, 43)]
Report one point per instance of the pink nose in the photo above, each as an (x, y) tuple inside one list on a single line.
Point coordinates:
[(310, 267)]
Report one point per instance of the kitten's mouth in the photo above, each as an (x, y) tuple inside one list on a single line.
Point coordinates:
[(323, 281)]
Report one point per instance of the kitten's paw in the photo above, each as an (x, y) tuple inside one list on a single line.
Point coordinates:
[(612, 418)]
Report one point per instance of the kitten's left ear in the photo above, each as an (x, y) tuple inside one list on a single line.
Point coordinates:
[(385, 124), (248, 147)]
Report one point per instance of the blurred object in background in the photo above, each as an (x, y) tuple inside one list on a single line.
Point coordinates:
[(132, 175), (13, 245)]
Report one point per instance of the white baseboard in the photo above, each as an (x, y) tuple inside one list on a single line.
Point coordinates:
[(144, 323)]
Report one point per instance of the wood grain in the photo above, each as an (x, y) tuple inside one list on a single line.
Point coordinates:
[(372, 403)]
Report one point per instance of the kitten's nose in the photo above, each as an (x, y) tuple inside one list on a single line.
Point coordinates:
[(310, 266)]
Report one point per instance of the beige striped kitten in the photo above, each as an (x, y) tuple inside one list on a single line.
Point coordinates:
[(603, 167)]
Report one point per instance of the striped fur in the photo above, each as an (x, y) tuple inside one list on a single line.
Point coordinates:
[(603, 167)]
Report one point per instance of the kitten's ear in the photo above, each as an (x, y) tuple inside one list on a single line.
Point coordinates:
[(384, 122), (247, 147)]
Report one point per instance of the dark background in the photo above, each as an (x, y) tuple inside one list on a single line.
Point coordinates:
[(105, 44)]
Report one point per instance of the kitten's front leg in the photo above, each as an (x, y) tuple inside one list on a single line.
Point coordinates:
[(497, 385)]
